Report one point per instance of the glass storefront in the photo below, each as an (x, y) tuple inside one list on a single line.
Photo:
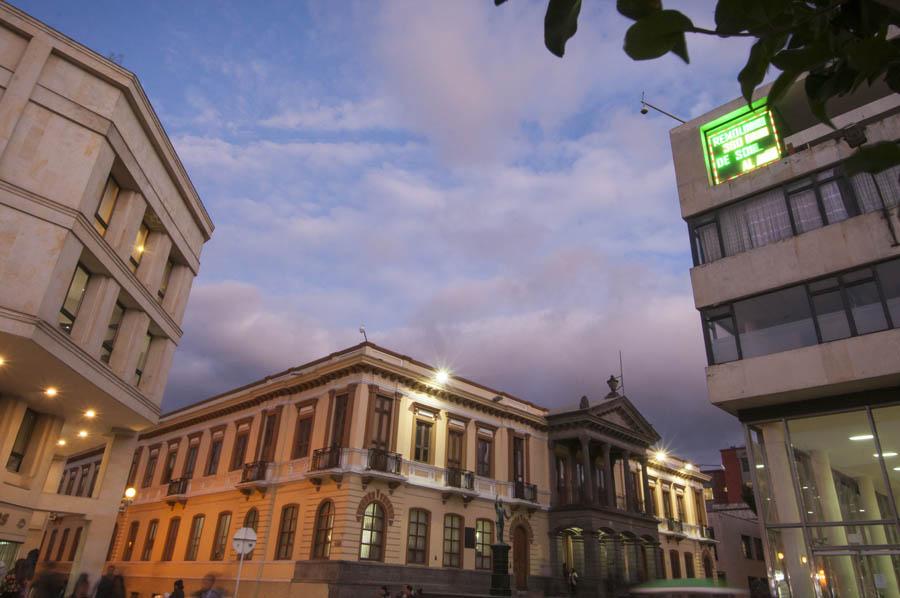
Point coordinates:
[(827, 490)]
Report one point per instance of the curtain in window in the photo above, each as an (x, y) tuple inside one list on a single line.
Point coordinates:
[(805, 210), (708, 239), (889, 185), (756, 222), (833, 200), (866, 192)]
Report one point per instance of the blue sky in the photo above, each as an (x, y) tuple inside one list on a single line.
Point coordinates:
[(431, 171)]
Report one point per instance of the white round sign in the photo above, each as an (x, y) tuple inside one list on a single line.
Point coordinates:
[(244, 540)]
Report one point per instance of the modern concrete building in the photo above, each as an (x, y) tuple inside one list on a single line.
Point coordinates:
[(100, 239), (369, 468), (739, 548), (797, 280), (687, 542)]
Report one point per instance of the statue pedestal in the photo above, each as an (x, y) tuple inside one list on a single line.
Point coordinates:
[(500, 572)]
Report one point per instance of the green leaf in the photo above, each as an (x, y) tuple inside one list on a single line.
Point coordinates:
[(498, 2), (819, 88), (560, 24), (758, 63), (638, 9), (873, 158), (781, 85), (755, 16), (801, 59), (872, 56), (657, 34)]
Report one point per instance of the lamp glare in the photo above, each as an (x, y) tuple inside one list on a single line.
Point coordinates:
[(90, 414), (130, 492), (442, 376), (82, 433), (51, 391)]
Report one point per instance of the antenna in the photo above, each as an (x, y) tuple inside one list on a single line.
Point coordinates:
[(621, 373), (362, 331)]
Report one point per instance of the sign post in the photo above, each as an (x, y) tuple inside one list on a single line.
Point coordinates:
[(244, 542)]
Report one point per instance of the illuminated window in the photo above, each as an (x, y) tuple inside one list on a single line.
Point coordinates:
[(137, 250), (164, 284), (284, 549), (220, 538), (103, 215), (324, 525), (484, 537), (72, 303), (149, 540), (112, 331), (417, 537), (171, 538), (371, 543), (452, 540), (193, 543), (130, 540)]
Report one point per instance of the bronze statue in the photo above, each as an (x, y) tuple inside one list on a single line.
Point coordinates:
[(502, 516)]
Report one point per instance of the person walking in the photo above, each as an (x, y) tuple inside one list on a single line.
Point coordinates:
[(573, 581), (206, 588), (82, 587), (178, 590)]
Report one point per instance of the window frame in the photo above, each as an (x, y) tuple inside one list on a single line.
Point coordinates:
[(100, 224), (131, 540), (76, 540), (109, 344), (427, 445), (195, 536), (139, 247), (219, 548), (149, 539), (453, 559), (171, 538), (484, 561), (323, 530), (214, 457), (303, 429), (237, 460), (25, 433), (61, 549), (252, 523), (484, 435), (376, 533), (150, 466), (410, 535), (287, 531)]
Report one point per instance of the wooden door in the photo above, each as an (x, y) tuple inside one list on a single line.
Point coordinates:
[(520, 557)]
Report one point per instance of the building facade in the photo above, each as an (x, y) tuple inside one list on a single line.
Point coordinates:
[(687, 542), (797, 280), (100, 239), (370, 468)]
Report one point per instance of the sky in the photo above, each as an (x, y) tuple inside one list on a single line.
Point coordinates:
[(430, 171)]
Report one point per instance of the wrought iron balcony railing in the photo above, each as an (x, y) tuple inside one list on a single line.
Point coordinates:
[(459, 478), (177, 487), (525, 491), (675, 526), (382, 460), (254, 472), (326, 458)]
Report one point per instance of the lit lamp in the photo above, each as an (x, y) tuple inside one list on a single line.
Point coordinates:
[(441, 376), (128, 498)]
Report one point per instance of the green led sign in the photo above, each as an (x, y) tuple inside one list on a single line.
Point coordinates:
[(746, 140)]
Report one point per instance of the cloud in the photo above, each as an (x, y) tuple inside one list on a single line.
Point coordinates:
[(311, 115)]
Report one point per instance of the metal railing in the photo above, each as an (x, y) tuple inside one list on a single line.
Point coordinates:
[(326, 458), (525, 491), (382, 460), (675, 526), (254, 472), (707, 532), (459, 478), (177, 487)]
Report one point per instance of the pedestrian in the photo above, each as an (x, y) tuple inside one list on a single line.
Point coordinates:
[(408, 592), (383, 593), (178, 591), (50, 583), (15, 583), (206, 588), (82, 587), (573, 581)]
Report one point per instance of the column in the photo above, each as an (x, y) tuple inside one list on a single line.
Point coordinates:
[(610, 479), (125, 222), (882, 564), (359, 416), (93, 316), (177, 292), (132, 332), (156, 370), (831, 511), (590, 577), (645, 482), (20, 86), (626, 479), (153, 262), (554, 491), (587, 494), (91, 554)]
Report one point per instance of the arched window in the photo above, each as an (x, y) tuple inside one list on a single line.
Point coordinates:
[(284, 549), (707, 566), (220, 538), (251, 520), (484, 537), (417, 537), (193, 543), (371, 543), (324, 523), (452, 543)]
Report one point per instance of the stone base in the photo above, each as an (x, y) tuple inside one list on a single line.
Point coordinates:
[(500, 572)]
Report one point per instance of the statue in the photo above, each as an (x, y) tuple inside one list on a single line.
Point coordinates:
[(584, 404), (613, 383), (502, 516)]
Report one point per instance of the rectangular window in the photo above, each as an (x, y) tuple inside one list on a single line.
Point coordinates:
[(82, 480), (746, 547), (103, 215), (518, 469), (302, 437), (61, 551), (49, 553), (721, 335), (164, 283), (758, 546), (169, 466), (220, 538), (215, 451), (269, 437), (94, 473), (287, 527), (70, 485), (381, 423), (142, 359), (452, 543), (889, 278), (338, 420), (171, 537), (73, 551), (484, 537), (689, 565), (707, 246), (137, 250), (132, 471), (828, 305), (149, 540), (193, 545), (150, 468), (22, 441), (422, 450), (112, 331), (190, 460), (667, 503), (484, 449), (417, 538), (775, 322), (72, 303), (680, 511), (239, 452), (755, 222), (455, 441), (130, 540)]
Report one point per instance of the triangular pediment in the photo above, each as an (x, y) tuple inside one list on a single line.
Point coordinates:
[(620, 412)]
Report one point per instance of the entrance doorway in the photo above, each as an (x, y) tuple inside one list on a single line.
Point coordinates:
[(520, 557)]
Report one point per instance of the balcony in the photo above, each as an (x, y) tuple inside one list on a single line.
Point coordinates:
[(384, 461), (525, 491), (177, 491), (326, 458), (459, 478), (672, 526), (254, 476)]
